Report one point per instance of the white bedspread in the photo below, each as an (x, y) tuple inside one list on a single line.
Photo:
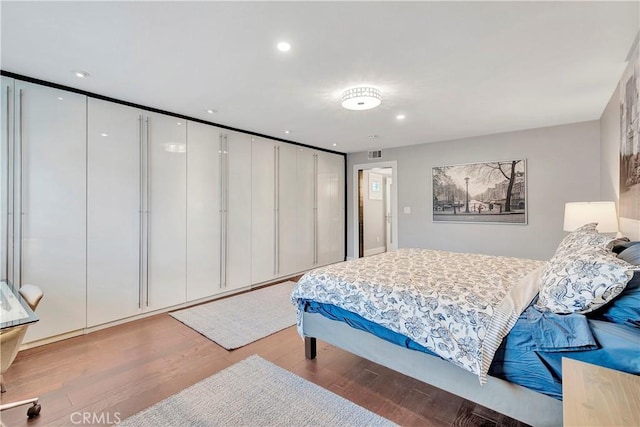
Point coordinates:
[(458, 305)]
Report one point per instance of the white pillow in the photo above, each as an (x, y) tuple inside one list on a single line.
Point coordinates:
[(581, 280)]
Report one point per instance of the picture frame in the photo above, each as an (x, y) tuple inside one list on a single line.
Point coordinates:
[(485, 192)]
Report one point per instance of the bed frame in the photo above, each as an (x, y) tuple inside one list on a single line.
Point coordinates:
[(507, 398)]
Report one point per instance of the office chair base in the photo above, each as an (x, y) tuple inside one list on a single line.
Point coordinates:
[(33, 410)]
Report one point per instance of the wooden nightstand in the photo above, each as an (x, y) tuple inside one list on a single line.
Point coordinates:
[(597, 396)]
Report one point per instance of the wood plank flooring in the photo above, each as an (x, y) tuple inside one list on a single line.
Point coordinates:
[(116, 372)]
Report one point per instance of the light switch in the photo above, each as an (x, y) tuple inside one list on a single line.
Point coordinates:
[(407, 209)]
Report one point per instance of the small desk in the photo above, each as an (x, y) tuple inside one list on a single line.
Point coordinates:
[(597, 396), (14, 310)]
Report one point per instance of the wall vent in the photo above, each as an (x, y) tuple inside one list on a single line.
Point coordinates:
[(374, 155)]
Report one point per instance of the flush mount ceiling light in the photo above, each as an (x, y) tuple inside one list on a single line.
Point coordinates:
[(361, 98)]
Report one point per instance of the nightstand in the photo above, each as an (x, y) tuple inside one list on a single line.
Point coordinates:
[(597, 396)]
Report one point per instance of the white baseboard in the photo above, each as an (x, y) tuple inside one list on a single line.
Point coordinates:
[(374, 251)]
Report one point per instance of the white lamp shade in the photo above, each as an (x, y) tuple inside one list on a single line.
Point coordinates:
[(577, 214)]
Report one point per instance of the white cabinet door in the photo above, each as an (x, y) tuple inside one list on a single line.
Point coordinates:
[(237, 174), (167, 212), (274, 211), (263, 210), (114, 217), (330, 202), (287, 213), (51, 137), (203, 211), (306, 200)]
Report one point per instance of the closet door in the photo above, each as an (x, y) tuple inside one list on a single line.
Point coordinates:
[(263, 210), (330, 208), (237, 220), (203, 211), (51, 193), (114, 212), (306, 201), (287, 212), (166, 203)]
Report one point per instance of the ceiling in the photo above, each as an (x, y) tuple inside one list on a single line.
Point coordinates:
[(454, 69)]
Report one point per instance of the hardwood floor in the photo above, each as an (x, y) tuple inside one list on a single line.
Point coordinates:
[(111, 374)]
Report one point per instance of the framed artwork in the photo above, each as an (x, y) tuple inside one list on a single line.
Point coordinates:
[(375, 186), (630, 140), (488, 192)]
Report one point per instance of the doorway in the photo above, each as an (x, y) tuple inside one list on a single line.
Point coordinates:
[(375, 205)]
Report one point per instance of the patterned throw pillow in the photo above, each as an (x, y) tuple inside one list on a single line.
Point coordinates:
[(582, 279), (584, 236)]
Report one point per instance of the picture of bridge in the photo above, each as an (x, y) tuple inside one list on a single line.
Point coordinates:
[(494, 192)]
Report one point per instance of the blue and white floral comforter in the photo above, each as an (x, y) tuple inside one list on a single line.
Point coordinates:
[(458, 305)]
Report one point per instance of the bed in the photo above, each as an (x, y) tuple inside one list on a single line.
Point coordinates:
[(462, 322)]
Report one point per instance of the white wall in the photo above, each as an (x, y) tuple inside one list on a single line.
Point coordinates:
[(563, 164), (374, 225), (610, 161)]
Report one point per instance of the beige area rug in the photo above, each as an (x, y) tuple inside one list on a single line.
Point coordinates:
[(255, 392), (237, 321)]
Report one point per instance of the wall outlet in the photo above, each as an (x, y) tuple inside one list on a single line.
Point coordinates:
[(378, 239), (407, 209)]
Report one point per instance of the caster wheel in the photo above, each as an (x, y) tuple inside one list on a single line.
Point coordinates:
[(34, 411)]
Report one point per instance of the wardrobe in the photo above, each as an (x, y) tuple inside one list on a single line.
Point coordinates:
[(116, 211)]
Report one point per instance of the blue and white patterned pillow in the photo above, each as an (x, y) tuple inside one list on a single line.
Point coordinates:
[(587, 235), (582, 279)]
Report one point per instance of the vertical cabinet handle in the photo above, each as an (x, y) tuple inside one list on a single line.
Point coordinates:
[(140, 213), (20, 241), (275, 209), (221, 207), (315, 209), (278, 210), (148, 240), (5, 275), (225, 152)]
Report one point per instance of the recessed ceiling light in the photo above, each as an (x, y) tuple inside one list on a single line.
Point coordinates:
[(284, 47), (179, 123), (212, 111), (335, 145), (81, 74), (361, 98), (104, 134), (400, 117), (60, 98), (287, 131)]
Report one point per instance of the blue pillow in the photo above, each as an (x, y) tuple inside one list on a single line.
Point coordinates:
[(625, 308), (631, 253)]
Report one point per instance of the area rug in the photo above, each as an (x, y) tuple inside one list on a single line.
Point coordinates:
[(237, 321), (255, 392)]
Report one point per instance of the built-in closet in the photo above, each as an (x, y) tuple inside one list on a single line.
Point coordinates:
[(44, 192), (136, 211), (116, 211)]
